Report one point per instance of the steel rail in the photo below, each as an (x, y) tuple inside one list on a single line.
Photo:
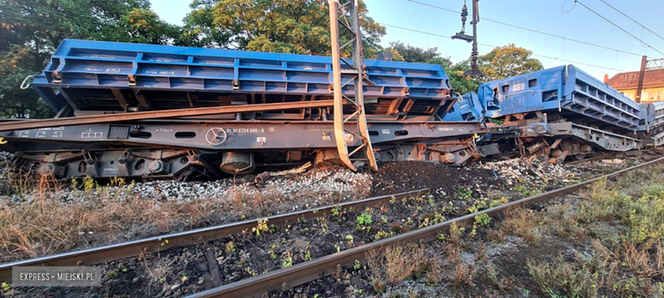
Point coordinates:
[(94, 119), (307, 271), (135, 248)]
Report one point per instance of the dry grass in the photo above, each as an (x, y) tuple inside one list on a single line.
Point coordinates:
[(624, 220), (46, 225), (50, 221), (564, 277), (396, 263), (521, 222)]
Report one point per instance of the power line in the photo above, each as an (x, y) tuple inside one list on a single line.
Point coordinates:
[(614, 24), (531, 30), (492, 46), (633, 20)]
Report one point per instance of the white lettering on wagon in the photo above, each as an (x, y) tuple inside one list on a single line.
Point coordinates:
[(245, 130)]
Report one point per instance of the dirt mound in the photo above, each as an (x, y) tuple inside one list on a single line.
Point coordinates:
[(441, 179)]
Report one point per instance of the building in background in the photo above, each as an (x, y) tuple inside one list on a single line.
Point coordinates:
[(628, 82)]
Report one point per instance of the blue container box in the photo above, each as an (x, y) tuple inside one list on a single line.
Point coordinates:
[(563, 89), (84, 73)]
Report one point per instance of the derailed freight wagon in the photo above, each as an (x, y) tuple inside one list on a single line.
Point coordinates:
[(151, 111), (566, 113)]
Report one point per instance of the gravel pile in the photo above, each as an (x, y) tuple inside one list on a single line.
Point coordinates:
[(316, 184), (519, 171)]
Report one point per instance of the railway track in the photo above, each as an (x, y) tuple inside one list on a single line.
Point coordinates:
[(307, 271), (288, 277), (135, 248)]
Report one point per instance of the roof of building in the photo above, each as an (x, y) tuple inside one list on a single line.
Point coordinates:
[(654, 78)]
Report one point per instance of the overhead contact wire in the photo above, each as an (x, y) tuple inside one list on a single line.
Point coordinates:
[(633, 20), (531, 30), (621, 28), (493, 46)]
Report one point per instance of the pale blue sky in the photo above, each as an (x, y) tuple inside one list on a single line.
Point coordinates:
[(558, 17)]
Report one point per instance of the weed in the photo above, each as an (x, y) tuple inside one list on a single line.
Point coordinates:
[(230, 247), (438, 218), (395, 264), (117, 182), (463, 274), (184, 278), (574, 282), (424, 223), (524, 191), (503, 284), (364, 219), (88, 184), (288, 261), (521, 222), (464, 193), (349, 240), (455, 233), (357, 265), (495, 235), (5, 286), (482, 219), (260, 227), (383, 235), (307, 255)]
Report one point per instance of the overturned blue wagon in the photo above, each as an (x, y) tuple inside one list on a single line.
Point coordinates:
[(151, 111), (563, 112)]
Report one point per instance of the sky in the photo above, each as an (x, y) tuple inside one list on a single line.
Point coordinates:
[(606, 49)]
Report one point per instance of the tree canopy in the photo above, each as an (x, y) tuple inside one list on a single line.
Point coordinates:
[(501, 62), (507, 61), (31, 29), (284, 26), (409, 53)]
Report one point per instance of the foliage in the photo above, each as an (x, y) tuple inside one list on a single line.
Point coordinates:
[(507, 61), (230, 247), (288, 260), (283, 26), (575, 282), (482, 219), (408, 53), (500, 63), (364, 219), (31, 30), (260, 227)]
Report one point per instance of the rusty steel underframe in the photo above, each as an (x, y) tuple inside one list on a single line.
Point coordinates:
[(135, 116), (182, 149)]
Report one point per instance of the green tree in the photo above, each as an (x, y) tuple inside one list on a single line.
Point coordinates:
[(459, 81), (507, 61), (413, 54), (30, 30), (284, 26)]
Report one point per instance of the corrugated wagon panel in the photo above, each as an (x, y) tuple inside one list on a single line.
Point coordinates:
[(81, 64), (564, 88)]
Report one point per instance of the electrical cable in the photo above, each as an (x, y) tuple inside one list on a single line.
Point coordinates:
[(614, 24), (633, 20), (531, 30), (492, 46)]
